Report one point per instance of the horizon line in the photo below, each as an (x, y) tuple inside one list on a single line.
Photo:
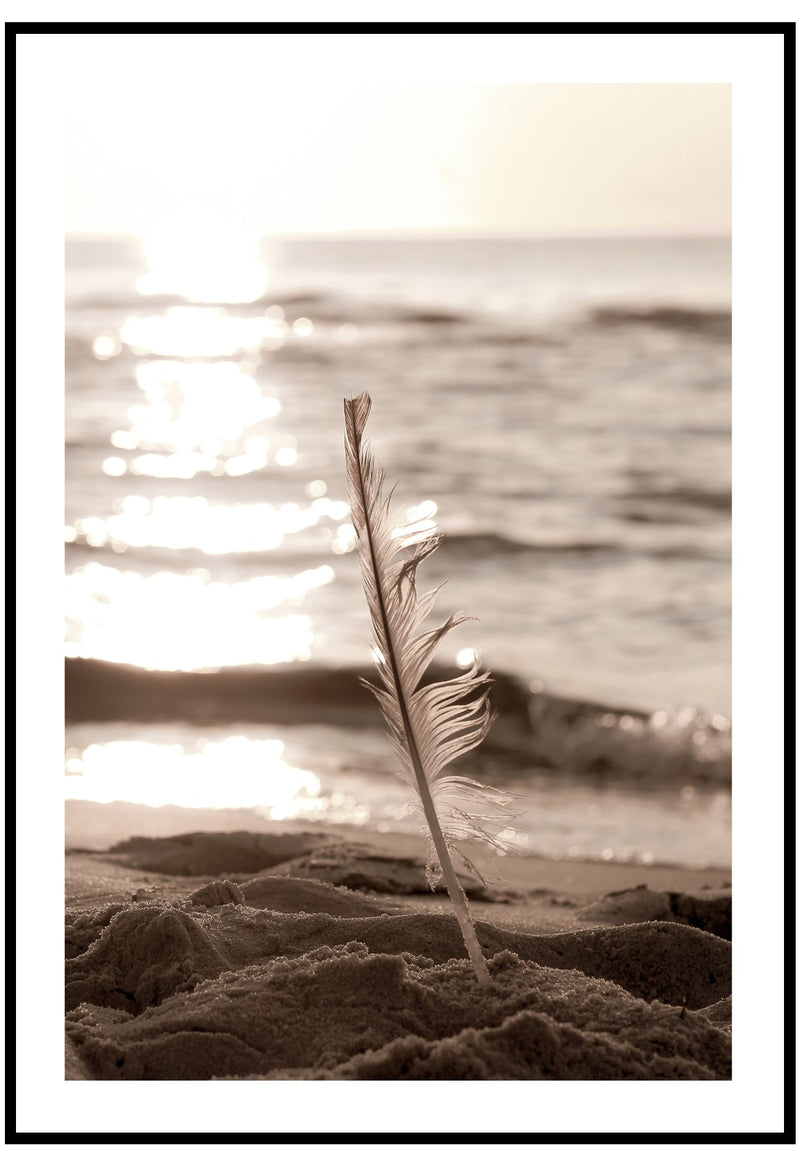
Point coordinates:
[(437, 233)]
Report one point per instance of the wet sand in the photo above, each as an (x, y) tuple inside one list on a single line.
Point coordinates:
[(300, 954)]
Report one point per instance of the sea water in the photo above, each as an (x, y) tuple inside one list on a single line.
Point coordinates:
[(559, 408)]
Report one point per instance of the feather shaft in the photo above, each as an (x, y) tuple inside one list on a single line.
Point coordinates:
[(428, 726)]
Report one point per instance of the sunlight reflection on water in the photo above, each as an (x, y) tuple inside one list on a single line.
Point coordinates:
[(201, 412), (231, 773), (180, 523), (187, 621), (197, 331), (190, 404)]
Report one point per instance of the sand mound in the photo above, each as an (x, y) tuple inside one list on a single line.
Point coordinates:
[(299, 895), (311, 856), (358, 866), (217, 988), (190, 854), (345, 1013), (708, 910)]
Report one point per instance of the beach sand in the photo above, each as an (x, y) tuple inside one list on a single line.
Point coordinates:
[(319, 953)]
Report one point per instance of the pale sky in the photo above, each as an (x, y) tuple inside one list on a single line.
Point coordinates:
[(192, 132)]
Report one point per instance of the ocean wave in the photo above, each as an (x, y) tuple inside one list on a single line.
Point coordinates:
[(534, 727), (491, 545), (328, 308), (486, 546), (716, 499), (322, 305), (675, 507), (454, 548), (132, 300), (335, 307), (715, 324)]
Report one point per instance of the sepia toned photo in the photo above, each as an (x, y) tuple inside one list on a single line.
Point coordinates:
[(328, 348)]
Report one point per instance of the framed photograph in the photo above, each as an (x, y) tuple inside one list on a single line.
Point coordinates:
[(349, 314)]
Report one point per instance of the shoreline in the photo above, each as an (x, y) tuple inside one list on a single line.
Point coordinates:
[(94, 827), (535, 726)]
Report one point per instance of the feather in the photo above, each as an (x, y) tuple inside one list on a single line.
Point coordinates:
[(429, 726)]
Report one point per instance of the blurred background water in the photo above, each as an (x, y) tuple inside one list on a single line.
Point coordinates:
[(559, 407)]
